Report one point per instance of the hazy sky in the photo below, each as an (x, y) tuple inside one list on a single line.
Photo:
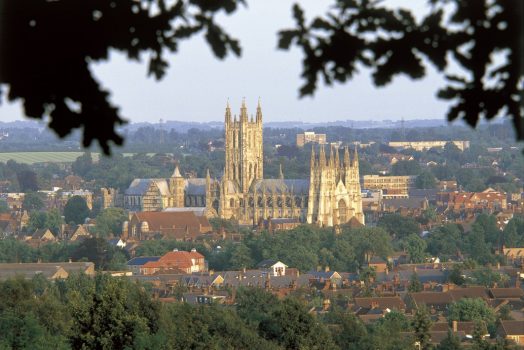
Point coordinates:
[(197, 84)]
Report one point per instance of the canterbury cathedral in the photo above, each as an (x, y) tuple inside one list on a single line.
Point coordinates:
[(330, 197)]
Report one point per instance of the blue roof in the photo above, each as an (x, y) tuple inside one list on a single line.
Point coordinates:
[(141, 260)]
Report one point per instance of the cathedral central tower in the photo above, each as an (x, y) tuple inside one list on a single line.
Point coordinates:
[(244, 147)]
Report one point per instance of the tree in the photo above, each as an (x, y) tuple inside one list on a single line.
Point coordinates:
[(471, 309), (76, 210), (392, 42), (37, 221), (414, 283), (354, 33), (54, 221), (425, 180), (241, 257), (416, 248), (33, 201), (109, 222), (405, 167), (421, 326), (82, 164), (399, 226), (451, 342), (27, 181), (61, 78), (456, 275)]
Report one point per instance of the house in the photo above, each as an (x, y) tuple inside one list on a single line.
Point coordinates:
[(363, 305), (50, 271), (378, 264), (176, 262), (117, 242), (43, 235), (178, 225), (137, 263), (75, 233), (512, 330), (274, 267)]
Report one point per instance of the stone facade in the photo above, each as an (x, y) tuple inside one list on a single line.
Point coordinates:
[(331, 196)]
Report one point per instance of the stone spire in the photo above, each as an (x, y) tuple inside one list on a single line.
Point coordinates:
[(322, 157), (281, 173), (259, 112), (176, 173), (243, 111), (355, 157), (331, 157), (228, 113), (347, 164)]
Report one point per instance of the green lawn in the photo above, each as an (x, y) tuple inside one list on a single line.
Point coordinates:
[(39, 157)]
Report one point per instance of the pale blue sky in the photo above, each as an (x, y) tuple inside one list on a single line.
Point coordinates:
[(197, 84)]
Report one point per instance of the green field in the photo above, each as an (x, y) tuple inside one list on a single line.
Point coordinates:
[(52, 157), (40, 157)]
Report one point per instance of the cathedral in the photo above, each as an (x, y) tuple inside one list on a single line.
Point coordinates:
[(330, 197)]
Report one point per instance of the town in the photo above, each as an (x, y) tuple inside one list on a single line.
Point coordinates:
[(417, 233)]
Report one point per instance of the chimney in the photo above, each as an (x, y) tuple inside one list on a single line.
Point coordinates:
[(455, 326)]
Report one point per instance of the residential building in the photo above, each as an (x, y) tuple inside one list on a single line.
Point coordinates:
[(425, 145), (178, 225), (310, 137), (391, 186), (176, 262)]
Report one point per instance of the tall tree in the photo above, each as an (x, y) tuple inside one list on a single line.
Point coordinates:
[(109, 222), (421, 326), (76, 210), (33, 201)]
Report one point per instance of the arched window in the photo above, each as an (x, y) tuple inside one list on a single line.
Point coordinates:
[(231, 203), (342, 212), (250, 171), (215, 205), (260, 202)]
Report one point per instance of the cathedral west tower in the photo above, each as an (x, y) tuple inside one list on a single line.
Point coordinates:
[(244, 147)]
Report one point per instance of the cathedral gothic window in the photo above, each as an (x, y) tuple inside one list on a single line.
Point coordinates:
[(342, 211), (231, 203)]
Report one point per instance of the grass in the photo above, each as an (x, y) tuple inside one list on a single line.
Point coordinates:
[(41, 157)]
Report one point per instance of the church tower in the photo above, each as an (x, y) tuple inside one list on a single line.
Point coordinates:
[(176, 187), (244, 147), (334, 189)]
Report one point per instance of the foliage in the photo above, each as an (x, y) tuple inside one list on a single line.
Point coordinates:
[(421, 327), (490, 278), (62, 78), (456, 275), (399, 226), (98, 251), (414, 283), (451, 342), (406, 168), (425, 180), (471, 309), (392, 42), (76, 210), (109, 222), (416, 248), (33, 201)]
